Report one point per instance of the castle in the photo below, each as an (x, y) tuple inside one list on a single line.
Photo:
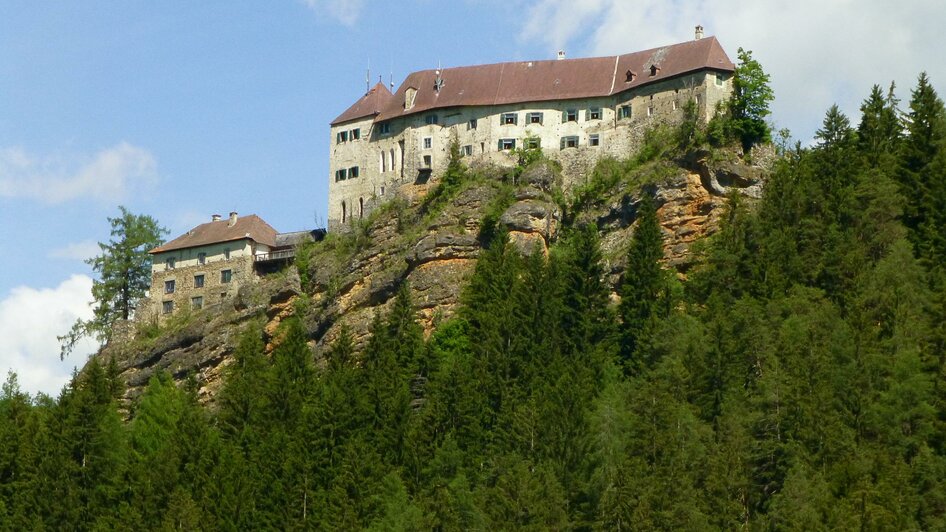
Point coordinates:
[(576, 110)]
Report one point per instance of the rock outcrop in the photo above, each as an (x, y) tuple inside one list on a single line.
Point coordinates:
[(353, 276)]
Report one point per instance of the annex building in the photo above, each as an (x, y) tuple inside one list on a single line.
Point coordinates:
[(576, 110), (210, 263)]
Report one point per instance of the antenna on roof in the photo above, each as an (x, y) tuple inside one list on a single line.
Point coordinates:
[(438, 83), (368, 77)]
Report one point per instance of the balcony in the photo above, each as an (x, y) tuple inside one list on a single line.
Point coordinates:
[(277, 255)]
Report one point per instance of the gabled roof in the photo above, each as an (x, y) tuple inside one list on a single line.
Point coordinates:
[(246, 227), (368, 105), (536, 81)]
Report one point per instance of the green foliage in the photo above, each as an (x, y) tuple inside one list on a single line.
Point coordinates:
[(749, 104), (644, 291), (124, 275), (794, 382)]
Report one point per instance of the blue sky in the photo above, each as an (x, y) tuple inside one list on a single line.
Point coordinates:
[(182, 109)]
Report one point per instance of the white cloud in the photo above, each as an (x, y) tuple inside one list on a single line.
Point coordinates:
[(76, 251), (30, 320), (817, 52), (109, 175), (344, 11)]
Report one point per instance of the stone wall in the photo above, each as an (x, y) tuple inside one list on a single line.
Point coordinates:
[(213, 291), (413, 150)]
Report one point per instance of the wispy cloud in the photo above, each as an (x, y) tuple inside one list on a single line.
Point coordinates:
[(108, 175), (344, 11), (30, 320), (75, 251)]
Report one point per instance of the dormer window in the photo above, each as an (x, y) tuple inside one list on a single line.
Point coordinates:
[(654, 69), (629, 76), (409, 96)]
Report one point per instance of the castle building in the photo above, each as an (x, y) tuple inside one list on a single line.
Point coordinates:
[(210, 263), (576, 110)]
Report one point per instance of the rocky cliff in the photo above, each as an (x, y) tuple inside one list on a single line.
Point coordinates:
[(431, 239)]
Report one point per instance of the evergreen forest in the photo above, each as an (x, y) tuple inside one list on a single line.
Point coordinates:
[(794, 380)]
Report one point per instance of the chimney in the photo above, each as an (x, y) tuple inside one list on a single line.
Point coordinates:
[(215, 218), (699, 32), (233, 219), (561, 55)]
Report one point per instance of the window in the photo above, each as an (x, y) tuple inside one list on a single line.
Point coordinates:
[(629, 76), (594, 140), (355, 133), (225, 276), (569, 142), (719, 80), (508, 119), (428, 161), (534, 118), (650, 111), (169, 263), (226, 253), (532, 143), (428, 143), (201, 258), (654, 70), (384, 128), (594, 113), (197, 302), (353, 172), (570, 115), (624, 111), (341, 174), (167, 307), (471, 124), (341, 137), (467, 150), (169, 287), (199, 281), (430, 119), (507, 144), (382, 190)]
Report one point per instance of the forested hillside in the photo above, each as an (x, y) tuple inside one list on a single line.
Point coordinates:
[(792, 379)]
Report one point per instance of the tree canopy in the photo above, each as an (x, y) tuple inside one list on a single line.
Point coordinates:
[(124, 275)]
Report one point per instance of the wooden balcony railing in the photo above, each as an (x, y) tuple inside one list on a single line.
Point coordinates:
[(282, 254)]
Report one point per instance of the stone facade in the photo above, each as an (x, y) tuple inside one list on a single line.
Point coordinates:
[(206, 265), (371, 156), (190, 284)]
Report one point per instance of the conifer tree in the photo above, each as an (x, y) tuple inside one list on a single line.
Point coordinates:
[(644, 286)]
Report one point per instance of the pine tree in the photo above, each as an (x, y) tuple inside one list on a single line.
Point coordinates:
[(644, 288)]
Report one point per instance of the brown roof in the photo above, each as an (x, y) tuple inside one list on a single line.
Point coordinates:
[(535, 81), (252, 227), (368, 105)]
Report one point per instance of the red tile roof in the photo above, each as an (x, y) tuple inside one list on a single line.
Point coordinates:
[(252, 227), (535, 81), (368, 105)]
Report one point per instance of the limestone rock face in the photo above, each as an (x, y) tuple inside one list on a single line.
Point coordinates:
[(353, 276)]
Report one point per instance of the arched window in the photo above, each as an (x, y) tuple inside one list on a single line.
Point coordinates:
[(343, 212), (381, 162), (361, 207), (393, 166)]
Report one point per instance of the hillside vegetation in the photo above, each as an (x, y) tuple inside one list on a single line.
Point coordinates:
[(789, 376)]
